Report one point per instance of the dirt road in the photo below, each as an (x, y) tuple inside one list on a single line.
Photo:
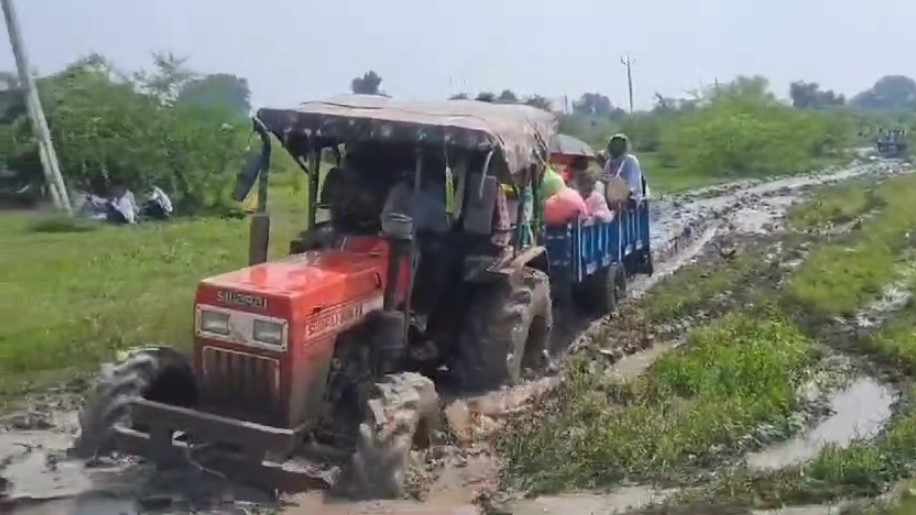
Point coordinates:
[(455, 478)]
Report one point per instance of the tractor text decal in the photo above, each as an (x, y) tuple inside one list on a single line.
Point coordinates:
[(241, 299), (337, 319)]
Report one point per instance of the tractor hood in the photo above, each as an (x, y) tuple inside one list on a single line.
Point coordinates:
[(299, 285)]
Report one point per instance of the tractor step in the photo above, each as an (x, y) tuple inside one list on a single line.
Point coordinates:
[(238, 449)]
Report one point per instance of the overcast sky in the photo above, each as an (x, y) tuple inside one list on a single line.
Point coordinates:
[(293, 50)]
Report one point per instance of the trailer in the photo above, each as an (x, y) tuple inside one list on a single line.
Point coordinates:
[(592, 261)]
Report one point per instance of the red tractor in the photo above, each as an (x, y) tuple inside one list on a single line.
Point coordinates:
[(327, 360)]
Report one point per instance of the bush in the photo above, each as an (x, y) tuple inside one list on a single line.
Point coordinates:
[(737, 130), (750, 136), (108, 130)]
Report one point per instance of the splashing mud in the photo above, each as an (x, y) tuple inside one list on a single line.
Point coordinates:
[(36, 478), (858, 411)]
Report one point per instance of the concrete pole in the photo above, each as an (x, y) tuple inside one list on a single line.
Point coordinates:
[(39, 125), (628, 63)]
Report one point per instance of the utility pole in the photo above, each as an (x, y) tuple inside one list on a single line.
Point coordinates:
[(39, 125), (629, 63)]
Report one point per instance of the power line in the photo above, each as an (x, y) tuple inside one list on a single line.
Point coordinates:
[(39, 124)]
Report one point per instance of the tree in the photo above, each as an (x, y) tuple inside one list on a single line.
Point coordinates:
[(890, 93), (593, 104), (459, 96), (165, 83), (741, 87), (669, 105), (220, 90), (539, 102), (507, 97), (368, 84), (808, 95), (485, 96), (112, 129)]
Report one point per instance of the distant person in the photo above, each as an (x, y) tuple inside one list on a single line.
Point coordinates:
[(621, 163)]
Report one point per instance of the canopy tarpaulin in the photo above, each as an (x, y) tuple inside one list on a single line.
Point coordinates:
[(519, 134)]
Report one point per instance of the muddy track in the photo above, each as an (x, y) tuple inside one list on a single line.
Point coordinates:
[(454, 475)]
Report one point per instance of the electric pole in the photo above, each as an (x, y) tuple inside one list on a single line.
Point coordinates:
[(629, 63), (39, 125)]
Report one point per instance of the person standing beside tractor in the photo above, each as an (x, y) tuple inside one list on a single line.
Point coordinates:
[(624, 165)]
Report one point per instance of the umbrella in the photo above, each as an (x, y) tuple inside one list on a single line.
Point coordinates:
[(570, 146)]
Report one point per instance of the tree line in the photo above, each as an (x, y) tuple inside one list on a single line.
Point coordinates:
[(889, 93), (188, 132)]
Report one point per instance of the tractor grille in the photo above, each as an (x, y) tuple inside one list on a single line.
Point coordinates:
[(242, 385)]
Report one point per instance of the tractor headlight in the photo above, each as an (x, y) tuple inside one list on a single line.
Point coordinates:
[(214, 322), (267, 332)]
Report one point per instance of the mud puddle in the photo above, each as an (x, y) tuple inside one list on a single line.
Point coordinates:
[(857, 411), (633, 365), (621, 500)]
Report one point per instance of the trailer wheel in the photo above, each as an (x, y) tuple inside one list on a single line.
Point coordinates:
[(645, 265), (506, 327), (402, 409), (159, 374), (605, 288)]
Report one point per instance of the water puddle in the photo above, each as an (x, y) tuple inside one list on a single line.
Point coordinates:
[(312, 504), (632, 366), (858, 411), (619, 501), (814, 509), (893, 298)]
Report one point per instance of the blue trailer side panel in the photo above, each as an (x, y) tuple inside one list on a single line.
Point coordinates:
[(581, 248)]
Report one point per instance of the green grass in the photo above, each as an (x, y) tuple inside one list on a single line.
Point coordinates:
[(732, 375), (695, 286), (895, 344), (834, 205), (866, 468), (842, 275), (72, 298)]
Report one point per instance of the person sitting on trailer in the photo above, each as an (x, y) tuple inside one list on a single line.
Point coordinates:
[(592, 193), (623, 164)]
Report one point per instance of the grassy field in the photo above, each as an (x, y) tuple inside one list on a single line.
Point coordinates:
[(71, 298), (731, 376), (689, 417)]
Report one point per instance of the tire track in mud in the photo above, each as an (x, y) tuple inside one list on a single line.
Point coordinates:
[(39, 480)]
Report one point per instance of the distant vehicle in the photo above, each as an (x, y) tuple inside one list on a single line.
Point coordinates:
[(892, 143)]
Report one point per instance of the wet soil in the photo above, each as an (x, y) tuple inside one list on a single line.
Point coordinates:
[(38, 478)]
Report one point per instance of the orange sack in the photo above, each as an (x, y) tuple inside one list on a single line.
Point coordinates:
[(564, 206)]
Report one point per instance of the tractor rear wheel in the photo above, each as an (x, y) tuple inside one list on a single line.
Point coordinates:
[(402, 409), (506, 327), (158, 374)]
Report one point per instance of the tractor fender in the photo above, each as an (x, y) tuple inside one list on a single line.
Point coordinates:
[(488, 269)]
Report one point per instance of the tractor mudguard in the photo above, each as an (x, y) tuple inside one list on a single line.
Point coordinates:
[(487, 269)]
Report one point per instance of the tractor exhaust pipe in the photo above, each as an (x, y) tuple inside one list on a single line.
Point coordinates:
[(391, 337), (258, 168)]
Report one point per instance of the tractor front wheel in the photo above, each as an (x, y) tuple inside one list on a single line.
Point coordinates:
[(402, 409), (159, 374)]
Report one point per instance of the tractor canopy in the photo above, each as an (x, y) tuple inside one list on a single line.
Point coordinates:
[(518, 135)]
